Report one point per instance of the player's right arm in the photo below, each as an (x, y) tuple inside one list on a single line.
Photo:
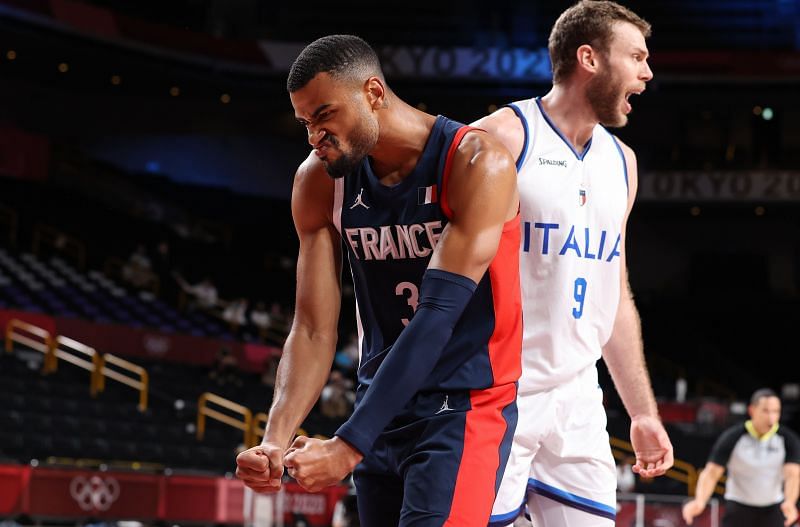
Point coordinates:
[(706, 483), (308, 353)]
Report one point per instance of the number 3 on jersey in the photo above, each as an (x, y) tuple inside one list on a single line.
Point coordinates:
[(413, 297), (580, 297)]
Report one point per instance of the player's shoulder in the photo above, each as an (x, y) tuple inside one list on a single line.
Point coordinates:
[(310, 169), (479, 150), (627, 151), (499, 121), (505, 125), (631, 166), (312, 179), (312, 192)]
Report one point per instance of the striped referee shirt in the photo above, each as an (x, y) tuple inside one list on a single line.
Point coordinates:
[(755, 464)]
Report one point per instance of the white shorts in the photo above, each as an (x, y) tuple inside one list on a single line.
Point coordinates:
[(560, 459)]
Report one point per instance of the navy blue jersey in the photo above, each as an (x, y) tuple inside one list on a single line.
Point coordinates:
[(390, 234)]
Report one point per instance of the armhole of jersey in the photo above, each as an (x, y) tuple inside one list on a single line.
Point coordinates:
[(338, 197), (448, 163), (722, 450), (792, 443), (622, 155), (526, 132)]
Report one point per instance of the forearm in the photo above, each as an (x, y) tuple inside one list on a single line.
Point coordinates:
[(706, 483), (791, 483), (624, 357), (302, 373), (443, 297)]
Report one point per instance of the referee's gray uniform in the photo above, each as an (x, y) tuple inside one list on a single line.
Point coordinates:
[(754, 488)]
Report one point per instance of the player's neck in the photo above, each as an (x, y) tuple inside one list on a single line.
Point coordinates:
[(568, 108), (404, 131)]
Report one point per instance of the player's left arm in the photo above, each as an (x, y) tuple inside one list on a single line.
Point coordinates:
[(624, 356), (482, 194)]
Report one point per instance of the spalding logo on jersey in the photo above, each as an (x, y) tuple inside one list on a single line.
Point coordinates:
[(583, 243), (394, 241)]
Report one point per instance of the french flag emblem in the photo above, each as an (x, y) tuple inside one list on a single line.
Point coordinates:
[(582, 197), (427, 195)]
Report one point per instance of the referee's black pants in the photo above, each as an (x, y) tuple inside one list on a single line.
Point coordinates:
[(740, 515)]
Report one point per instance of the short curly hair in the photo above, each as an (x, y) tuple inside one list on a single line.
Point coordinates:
[(341, 56), (587, 22)]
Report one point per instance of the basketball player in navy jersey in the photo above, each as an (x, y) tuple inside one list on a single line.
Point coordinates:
[(427, 210), (577, 184)]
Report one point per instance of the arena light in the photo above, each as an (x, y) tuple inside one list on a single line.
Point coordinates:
[(757, 110), (63, 67), (225, 98), (175, 91), (11, 54), (760, 211), (116, 80), (694, 211), (767, 114)]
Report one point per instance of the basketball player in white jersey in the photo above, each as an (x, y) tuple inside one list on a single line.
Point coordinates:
[(577, 184)]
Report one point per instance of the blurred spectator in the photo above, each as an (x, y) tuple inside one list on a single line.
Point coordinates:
[(162, 263), (681, 387), (345, 513), (270, 372), (790, 391), (203, 295), (162, 267), (225, 370), (137, 270), (337, 397), (235, 314), (711, 415), (261, 319), (280, 324), (626, 479), (347, 357)]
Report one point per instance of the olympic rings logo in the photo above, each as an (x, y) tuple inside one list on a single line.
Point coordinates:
[(94, 493)]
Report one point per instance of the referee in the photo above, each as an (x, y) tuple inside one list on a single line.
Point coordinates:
[(763, 462)]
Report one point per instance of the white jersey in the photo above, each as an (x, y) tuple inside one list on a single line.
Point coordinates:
[(572, 210)]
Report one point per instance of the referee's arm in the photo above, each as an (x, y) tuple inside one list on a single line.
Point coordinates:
[(791, 492), (706, 484)]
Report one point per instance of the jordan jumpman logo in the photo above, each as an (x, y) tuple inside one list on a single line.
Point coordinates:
[(359, 201), (445, 406)]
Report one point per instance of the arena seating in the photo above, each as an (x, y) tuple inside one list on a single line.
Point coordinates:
[(54, 418), (58, 288)]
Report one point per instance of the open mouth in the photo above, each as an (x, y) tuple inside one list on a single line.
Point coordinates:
[(628, 95), (633, 92)]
